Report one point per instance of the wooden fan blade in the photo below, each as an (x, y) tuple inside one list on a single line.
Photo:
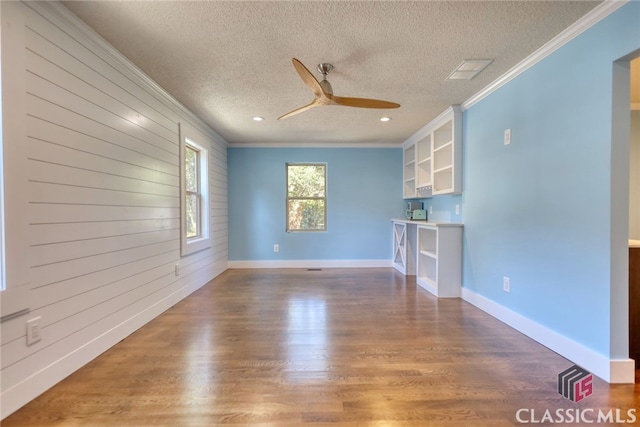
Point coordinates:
[(362, 102), (299, 110), (308, 78)]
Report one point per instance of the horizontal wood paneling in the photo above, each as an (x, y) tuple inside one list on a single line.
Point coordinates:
[(44, 192), (103, 188), (54, 147), (69, 53), (59, 252), (46, 171), (92, 127), (60, 233), (90, 290), (118, 274), (56, 214), (42, 132), (40, 88), (52, 274), (47, 70)]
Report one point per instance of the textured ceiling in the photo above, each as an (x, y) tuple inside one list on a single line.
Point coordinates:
[(230, 60)]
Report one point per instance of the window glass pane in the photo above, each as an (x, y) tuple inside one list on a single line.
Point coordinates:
[(306, 180), (191, 167), (306, 214), (193, 215)]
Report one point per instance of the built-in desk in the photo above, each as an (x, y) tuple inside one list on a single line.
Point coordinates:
[(431, 251)]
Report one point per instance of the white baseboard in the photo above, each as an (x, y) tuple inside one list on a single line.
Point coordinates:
[(618, 371), (40, 381), (337, 263)]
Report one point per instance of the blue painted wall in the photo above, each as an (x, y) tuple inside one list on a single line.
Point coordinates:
[(364, 191), (539, 210)]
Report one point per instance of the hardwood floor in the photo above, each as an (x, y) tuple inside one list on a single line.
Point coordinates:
[(348, 347)]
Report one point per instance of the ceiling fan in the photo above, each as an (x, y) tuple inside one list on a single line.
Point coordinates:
[(324, 92)]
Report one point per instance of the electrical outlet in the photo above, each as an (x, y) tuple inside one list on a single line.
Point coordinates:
[(177, 269), (430, 210), (507, 137), (33, 331), (276, 248), (506, 284), (457, 209)]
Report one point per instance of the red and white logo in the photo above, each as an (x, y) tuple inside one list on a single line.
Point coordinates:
[(575, 383)]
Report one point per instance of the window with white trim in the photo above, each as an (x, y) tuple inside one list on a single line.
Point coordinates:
[(195, 196), (306, 197)]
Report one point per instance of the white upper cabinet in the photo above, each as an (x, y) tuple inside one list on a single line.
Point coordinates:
[(433, 157)]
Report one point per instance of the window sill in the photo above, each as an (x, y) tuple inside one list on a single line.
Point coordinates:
[(14, 302), (195, 245)]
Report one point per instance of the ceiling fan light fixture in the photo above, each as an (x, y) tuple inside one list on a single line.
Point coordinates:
[(258, 119), (385, 119), (469, 68)]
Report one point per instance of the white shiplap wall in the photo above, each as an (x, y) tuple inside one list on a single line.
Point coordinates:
[(102, 216)]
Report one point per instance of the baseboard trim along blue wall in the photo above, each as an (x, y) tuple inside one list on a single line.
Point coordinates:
[(364, 191), (543, 210)]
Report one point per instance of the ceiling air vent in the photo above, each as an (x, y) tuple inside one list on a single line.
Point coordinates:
[(469, 69)]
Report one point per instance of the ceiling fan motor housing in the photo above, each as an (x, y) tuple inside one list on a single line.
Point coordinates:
[(325, 68)]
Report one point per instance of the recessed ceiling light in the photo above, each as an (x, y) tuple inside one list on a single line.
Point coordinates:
[(469, 69), (258, 118), (385, 119)]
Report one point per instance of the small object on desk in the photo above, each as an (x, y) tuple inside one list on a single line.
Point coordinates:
[(419, 214), (411, 207)]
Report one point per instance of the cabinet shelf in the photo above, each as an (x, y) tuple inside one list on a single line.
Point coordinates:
[(443, 146), (444, 168), (424, 161), (439, 260), (430, 254)]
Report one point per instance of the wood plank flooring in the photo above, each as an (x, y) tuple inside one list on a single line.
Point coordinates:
[(339, 347)]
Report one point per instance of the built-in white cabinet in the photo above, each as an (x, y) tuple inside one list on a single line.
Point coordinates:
[(400, 247), (432, 251), (404, 247), (439, 259), (409, 174), (433, 157)]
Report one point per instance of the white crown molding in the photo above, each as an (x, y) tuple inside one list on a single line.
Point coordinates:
[(580, 26), (63, 17), (429, 127)]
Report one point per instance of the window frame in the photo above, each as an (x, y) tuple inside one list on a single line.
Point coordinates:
[(288, 198), (15, 298), (189, 146), (202, 240)]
